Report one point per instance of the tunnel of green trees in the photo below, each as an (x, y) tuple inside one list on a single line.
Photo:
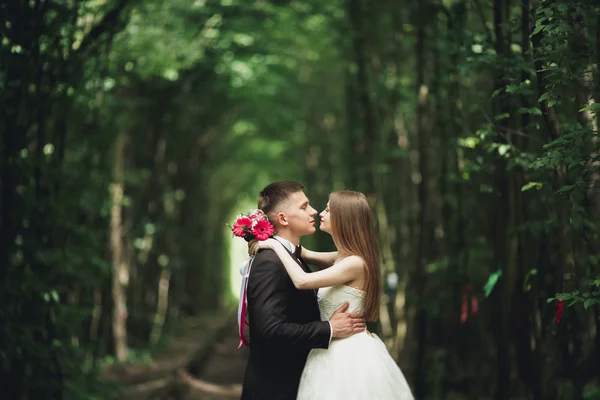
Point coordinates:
[(133, 131)]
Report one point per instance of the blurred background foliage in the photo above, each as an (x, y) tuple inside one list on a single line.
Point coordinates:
[(132, 131)]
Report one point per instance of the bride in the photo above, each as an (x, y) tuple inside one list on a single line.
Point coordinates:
[(357, 367)]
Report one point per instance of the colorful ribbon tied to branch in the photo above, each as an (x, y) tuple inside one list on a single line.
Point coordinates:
[(474, 303), (559, 311)]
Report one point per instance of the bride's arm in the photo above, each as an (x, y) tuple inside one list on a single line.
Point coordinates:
[(349, 269), (319, 259)]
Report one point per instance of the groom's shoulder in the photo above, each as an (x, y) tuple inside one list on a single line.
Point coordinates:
[(266, 262), (266, 256)]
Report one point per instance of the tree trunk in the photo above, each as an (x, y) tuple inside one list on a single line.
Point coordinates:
[(593, 192), (526, 340), (504, 256), (367, 145), (162, 306), (419, 283), (120, 267), (565, 270), (594, 186)]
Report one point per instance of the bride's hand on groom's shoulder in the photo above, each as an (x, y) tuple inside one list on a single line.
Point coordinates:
[(267, 244), (255, 245)]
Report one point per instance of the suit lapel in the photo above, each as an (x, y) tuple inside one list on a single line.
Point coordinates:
[(304, 267)]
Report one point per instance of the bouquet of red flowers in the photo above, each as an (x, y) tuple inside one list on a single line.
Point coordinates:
[(254, 225)]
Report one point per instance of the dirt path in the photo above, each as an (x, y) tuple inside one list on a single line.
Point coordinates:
[(206, 349), (221, 374)]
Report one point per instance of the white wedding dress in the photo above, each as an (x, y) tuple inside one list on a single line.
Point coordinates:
[(355, 368)]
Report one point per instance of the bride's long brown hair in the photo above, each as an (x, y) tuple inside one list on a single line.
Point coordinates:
[(353, 230)]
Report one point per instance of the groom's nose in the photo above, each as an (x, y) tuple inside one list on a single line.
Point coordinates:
[(312, 211)]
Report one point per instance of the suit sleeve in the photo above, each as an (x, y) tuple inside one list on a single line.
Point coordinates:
[(268, 299)]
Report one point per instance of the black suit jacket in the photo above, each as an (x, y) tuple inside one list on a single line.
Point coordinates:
[(284, 326)]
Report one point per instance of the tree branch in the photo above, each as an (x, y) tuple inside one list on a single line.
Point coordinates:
[(108, 22), (481, 15)]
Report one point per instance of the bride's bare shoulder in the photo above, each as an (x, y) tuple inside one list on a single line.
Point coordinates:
[(351, 262)]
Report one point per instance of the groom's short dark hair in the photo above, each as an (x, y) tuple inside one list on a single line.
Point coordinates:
[(275, 193)]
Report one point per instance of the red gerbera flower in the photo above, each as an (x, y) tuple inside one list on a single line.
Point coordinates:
[(263, 230), (241, 226)]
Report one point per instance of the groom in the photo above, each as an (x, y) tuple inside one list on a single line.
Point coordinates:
[(284, 321)]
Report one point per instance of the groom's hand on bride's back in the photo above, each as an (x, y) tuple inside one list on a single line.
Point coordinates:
[(346, 324)]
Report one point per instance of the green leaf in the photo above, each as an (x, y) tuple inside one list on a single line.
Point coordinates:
[(564, 296), (593, 107), (485, 188), (543, 97), (548, 12), (593, 282), (503, 149), (530, 185), (468, 142), (588, 303), (491, 282), (573, 302), (538, 29), (497, 92), (566, 188), (526, 281), (530, 110)]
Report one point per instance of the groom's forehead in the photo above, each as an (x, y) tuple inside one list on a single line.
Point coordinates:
[(299, 198)]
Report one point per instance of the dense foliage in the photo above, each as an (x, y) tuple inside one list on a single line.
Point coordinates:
[(132, 130)]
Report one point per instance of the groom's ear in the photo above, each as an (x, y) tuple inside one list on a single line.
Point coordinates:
[(281, 219)]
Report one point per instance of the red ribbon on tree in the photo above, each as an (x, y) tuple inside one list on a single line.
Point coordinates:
[(464, 314), (559, 311)]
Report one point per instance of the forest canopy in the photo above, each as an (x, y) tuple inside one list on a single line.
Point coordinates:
[(131, 131)]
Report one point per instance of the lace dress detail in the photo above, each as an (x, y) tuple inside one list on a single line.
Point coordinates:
[(332, 298), (355, 368)]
